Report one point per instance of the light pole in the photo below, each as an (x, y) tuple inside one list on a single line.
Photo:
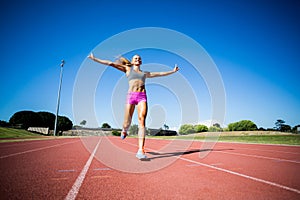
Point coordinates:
[(58, 98)]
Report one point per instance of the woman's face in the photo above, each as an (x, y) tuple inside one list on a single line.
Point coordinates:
[(136, 60)]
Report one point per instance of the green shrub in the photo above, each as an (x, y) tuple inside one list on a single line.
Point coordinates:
[(215, 129), (200, 128), (243, 125), (4, 124), (186, 129), (116, 133)]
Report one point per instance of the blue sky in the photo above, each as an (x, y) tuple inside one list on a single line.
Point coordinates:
[(254, 44)]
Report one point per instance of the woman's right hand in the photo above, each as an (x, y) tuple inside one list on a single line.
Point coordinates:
[(176, 68)]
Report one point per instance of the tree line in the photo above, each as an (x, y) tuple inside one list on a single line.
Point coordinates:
[(243, 125), (25, 119)]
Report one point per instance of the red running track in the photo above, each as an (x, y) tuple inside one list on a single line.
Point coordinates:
[(106, 168)]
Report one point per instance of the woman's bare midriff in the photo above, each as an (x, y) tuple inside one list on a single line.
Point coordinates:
[(136, 86)]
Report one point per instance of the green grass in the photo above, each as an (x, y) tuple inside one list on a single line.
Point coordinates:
[(260, 139), (18, 135), (10, 134), (15, 133), (264, 139)]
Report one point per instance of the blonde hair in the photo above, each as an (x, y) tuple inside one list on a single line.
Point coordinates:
[(123, 61)]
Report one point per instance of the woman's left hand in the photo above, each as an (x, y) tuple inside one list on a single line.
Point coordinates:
[(91, 56)]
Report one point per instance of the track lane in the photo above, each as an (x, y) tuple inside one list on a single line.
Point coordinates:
[(273, 170), (44, 174), (183, 179), (11, 148), (50, 173)]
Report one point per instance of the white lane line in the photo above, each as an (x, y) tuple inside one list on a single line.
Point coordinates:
[(66, 170), (233, 173), (243, 175), (22, 142), (262, 144), (256, 156), (75, 188), (267, 150), (33, 150), (243, 143), (102, 169)]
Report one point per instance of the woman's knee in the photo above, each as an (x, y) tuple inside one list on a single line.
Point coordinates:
[(142, 120)]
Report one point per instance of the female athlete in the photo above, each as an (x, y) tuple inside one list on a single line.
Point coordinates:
[(136, 95)]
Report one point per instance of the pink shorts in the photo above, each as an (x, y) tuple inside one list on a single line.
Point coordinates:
[(135, 98)]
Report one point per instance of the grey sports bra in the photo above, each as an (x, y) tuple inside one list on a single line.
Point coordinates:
[(136, 75)]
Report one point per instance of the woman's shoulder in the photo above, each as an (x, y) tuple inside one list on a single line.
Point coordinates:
[(128, 68)]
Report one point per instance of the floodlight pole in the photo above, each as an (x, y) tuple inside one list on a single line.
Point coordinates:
[(58, 98)]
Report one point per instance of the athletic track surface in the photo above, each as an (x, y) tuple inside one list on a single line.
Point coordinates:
[(106, 168)]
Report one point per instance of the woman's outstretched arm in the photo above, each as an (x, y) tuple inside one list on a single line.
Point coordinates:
[(158, 74), (118, 66)]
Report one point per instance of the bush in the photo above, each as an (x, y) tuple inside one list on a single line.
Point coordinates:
[(295, 129), (116, 133), (4, 124), (243, 125), (262, 129), (215, 129), (200, 128), (186, 129), (285, 128)]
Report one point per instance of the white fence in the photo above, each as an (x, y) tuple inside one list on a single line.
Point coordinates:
[(42, 130)]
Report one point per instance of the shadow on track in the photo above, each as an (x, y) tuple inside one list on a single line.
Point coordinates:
[(157, 155)]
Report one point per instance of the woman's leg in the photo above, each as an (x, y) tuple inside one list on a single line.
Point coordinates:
[(129, 109), (142, 114)]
